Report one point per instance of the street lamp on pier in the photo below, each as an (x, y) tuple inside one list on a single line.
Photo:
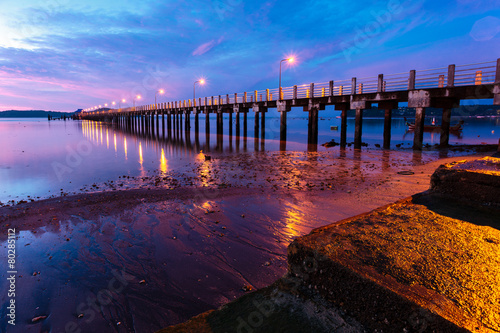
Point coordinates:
[(136, 97), (201, 81), (290, 60), (161, 91)]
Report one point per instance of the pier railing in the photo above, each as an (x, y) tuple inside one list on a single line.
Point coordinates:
[(451, 76)]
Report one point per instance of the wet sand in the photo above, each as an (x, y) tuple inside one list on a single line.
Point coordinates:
[(171, 247)]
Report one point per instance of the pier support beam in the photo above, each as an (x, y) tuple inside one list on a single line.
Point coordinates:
[(237, 114), (283, 130), (358, 128), (220, 130), (359, 106), (196, 122), (418, 139), (343, 123), (152, 123), (262, 125), (388, 107), (283, 109), (207, 129), (447, 106), (207, 122), (313, 108), (220, 124), (187, 121), (312, 127), (157, 123), (256, 123), (387, 128), (179, 121), (169, 125), (245, 125), (445, 128), (163, 122), (419, 99)]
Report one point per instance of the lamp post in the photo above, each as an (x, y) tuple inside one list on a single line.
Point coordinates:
[(161, 91), (290, 60), (201, 81), (120, 103), (136, 97)]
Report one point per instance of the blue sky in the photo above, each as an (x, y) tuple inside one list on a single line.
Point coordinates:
[(65, 54)]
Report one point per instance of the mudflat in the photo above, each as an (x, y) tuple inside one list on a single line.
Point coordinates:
[(145, 258)]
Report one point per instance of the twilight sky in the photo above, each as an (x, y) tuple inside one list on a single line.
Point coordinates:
[(65, 54)]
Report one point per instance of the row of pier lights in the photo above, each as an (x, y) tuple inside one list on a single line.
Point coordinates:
[(161, 91), (440, 88)]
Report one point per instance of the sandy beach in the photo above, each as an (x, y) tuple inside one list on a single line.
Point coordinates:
[(168, 248)]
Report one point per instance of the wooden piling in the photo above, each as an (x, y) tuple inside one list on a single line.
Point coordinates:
[(387, 107), (169, 124), (343, 128), (312, 135), (358, 128), (237, 125), (445, 128), (157, 122), (419, 128), (245, 126), (207, 122), (152, 124), (263, 125), (256, 126), (196, 122), (163, 121), (283, 130), (187, 120), (387, 128), (220, 123)]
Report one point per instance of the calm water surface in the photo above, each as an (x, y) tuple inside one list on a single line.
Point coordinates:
[(39, 159)]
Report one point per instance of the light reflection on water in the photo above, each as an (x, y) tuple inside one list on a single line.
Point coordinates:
[(42, 159)]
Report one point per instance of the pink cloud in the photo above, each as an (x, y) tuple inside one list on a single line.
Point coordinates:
[(204, 48)]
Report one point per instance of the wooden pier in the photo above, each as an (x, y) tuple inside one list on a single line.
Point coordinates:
[(439, 88)]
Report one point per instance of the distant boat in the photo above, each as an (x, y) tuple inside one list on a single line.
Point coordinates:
[(435, 128)]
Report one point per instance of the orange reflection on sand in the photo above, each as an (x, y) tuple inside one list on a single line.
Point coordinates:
[(204, 170), (125, 146), (116, 150), (163, 162), (294, 222), (141, 160)]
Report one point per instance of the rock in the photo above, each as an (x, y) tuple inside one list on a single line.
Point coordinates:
[(247, 288)]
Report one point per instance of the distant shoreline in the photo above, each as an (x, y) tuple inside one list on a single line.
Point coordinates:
[(33, 114)]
